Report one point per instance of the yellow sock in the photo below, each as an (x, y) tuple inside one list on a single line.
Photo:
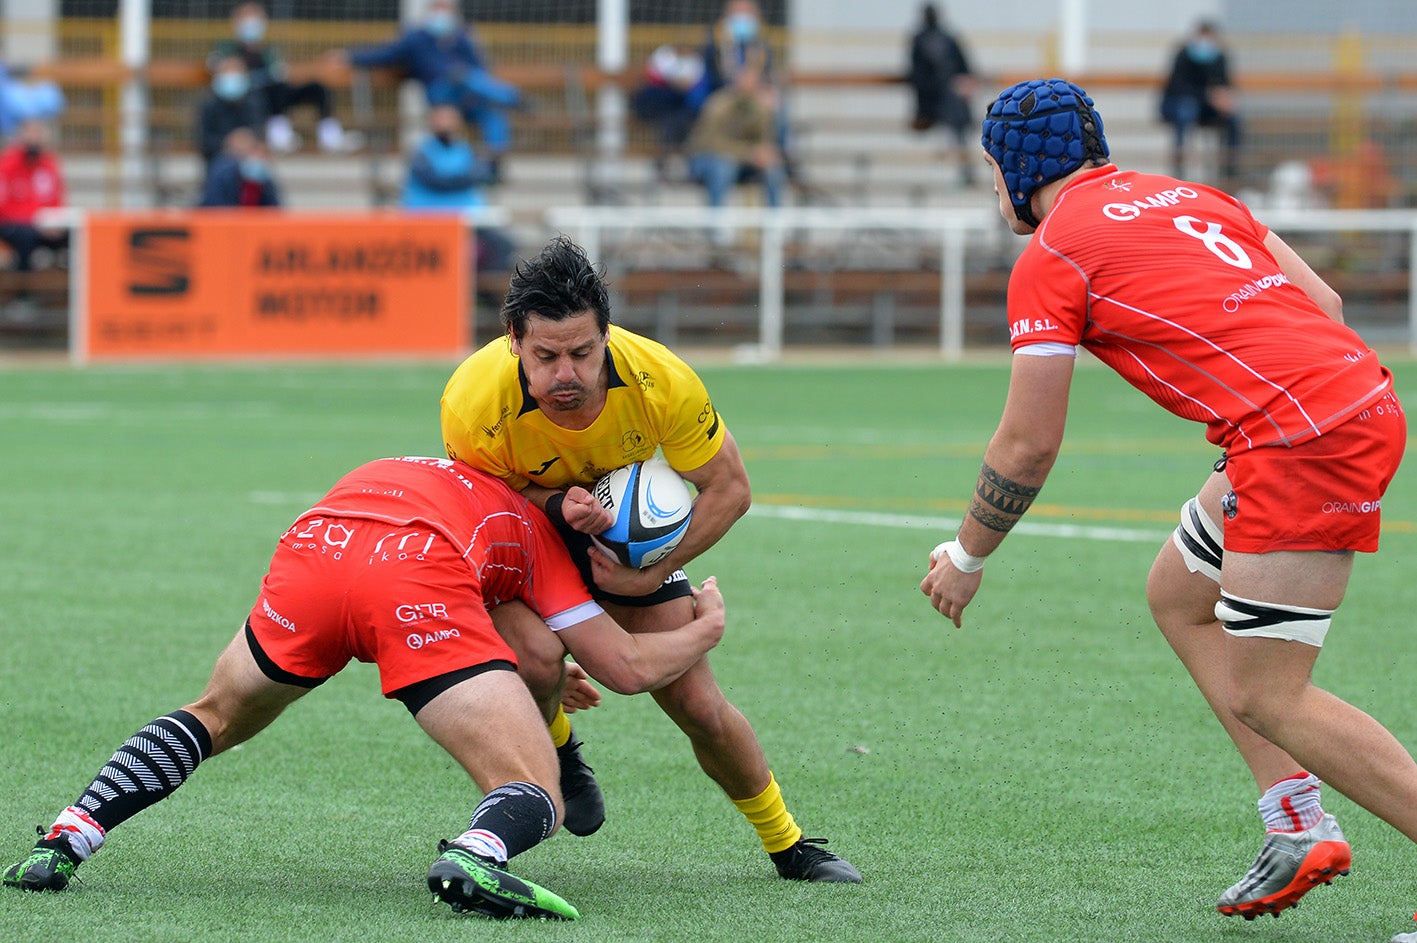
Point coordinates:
[(768, 814), (560, 728)]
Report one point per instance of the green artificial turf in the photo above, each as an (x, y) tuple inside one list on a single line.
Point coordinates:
[(1046, 773)]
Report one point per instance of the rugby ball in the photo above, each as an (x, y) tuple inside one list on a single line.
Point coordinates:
[(650, 505)]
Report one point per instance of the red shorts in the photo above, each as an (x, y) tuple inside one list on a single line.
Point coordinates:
[(1324, 494), (401, 597)]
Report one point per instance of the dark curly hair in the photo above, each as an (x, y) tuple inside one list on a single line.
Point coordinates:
[(559, 283)]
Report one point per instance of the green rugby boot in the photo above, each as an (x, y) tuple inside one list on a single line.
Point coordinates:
[(49, 867), (469, 883)]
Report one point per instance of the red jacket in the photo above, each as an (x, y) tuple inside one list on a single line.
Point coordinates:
[(28, 185)]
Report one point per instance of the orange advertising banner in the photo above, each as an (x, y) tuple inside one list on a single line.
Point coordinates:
[(252, 283)]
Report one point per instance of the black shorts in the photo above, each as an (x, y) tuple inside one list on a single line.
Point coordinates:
[(677, 586)]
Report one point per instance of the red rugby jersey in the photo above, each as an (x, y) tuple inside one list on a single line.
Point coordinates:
[(1169, 283), (509, 544)]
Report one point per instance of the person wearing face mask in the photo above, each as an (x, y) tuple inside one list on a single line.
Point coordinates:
[(1198, 92), (736, 44), (269, 80), (22, 98), (441, 53), (241, 175), (230, 104), (30, 180), (446, 175)]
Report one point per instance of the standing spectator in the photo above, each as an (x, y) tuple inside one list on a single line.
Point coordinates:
[(241, 175), (1198, 92), (230, 104), (268, 75), (30, 180), (735, 137), (444, 57), (445, 174), (943, 82)]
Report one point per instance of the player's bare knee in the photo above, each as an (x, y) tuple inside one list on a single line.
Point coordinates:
[(1254, 708)]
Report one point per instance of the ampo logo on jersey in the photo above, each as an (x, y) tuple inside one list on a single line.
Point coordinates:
[(419, 639), (1122, 212)]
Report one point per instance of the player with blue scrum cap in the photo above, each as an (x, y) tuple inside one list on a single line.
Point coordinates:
[(564, 398), (1179, 288)]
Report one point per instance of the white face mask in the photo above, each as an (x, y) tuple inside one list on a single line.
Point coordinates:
[(440, 22), (251, 29), (1203, 50), (255, 169), (743, 27), (231, 85)]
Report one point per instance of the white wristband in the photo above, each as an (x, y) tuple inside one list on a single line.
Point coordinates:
[(963, 561)]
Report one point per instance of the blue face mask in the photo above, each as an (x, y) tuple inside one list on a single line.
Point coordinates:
[(440, 23), (231, 85), (255, 169), (1203, 50), (743, 27), (251, 29)]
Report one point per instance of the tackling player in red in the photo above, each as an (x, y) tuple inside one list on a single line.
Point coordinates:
[(398, 566)]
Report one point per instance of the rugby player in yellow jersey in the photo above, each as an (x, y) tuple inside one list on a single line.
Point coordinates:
[(564, 398)]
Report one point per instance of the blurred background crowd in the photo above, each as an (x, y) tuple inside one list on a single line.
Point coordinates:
[(446, 106)]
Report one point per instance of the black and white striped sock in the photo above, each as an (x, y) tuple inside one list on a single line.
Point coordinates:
[(146, 769), (509, 820)]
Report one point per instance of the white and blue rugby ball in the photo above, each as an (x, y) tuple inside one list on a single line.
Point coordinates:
[(651, 506)]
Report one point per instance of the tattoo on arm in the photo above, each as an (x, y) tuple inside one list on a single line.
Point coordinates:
[(999, 501)]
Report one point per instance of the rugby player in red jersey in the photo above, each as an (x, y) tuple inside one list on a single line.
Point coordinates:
[(398, 565), (1178, 288)]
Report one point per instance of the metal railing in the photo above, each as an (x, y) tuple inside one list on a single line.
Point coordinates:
[(590, 224)]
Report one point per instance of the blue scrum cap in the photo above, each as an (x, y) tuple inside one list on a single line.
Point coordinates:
[(1038, 131)]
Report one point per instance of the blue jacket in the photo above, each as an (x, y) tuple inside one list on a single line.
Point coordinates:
[(224, 182), (427, 58), (445, 176)]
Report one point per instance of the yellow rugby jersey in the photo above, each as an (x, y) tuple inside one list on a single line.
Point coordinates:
[(655, 400)]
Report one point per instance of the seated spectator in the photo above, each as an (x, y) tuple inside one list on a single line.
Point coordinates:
[(735, 43), (268, 75), (446, 175), (1198, 92), (30, 180), (21, 100), (230, 104), (734, 139), (442, 54), (663, 100), (241, 175)]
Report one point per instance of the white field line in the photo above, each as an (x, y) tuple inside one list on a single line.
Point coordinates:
[(945, 525), (948, 525)]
